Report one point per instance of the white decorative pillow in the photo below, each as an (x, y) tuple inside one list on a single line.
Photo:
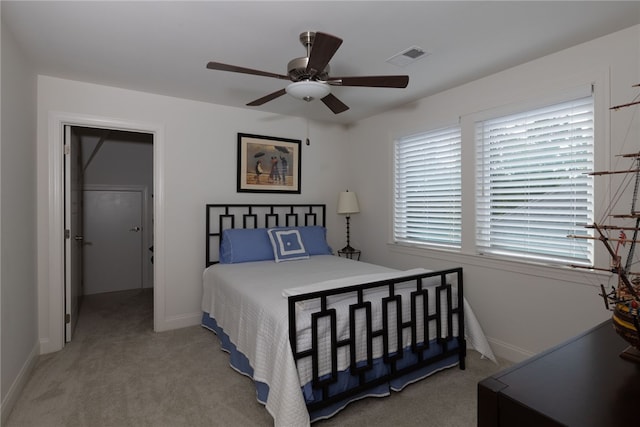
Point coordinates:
[(287, 244)]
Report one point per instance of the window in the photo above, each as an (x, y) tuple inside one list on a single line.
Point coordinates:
[(427, 195), (532, 184)]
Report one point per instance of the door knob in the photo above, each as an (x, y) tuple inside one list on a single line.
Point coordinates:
[(78, 238), (136, 229)]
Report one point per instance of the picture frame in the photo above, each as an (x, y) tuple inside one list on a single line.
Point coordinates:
[(268, 164)]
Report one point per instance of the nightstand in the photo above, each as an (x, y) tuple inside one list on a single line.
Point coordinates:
[(350, 253)]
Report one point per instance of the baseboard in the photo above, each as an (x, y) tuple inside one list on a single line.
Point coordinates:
[(508, 352), (180, 321), (18, 384), (47, 346)]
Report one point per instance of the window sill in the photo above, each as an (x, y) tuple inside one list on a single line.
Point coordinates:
[(556, 272)]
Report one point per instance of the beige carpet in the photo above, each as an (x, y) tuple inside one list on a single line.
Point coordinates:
[(118, 372)]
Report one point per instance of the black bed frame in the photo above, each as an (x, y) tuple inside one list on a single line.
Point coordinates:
[(223, 216)]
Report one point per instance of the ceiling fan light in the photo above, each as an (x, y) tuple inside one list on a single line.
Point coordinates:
[(308, 90)]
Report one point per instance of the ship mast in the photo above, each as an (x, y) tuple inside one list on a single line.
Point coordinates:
[(616, 259), (626, 303), (616, 267), (633, 212)]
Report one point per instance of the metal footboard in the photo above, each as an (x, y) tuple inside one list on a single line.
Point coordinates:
[(405, 312)]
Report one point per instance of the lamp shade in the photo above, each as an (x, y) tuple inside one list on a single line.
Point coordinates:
[(348, 203), (308, 90)]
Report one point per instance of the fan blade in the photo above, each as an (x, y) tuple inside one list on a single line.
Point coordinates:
[(267, 98), (334, 104), (370, 81), (323, 49), (234, 69)]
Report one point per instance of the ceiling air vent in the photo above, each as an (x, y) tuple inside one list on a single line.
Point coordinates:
[(408, 56)]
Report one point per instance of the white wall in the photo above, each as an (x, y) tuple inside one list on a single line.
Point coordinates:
[(19, 346), (199, 144), (124, 158), (523, 309)]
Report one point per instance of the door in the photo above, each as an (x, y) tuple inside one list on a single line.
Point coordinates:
[(73, 230), (113, 240)]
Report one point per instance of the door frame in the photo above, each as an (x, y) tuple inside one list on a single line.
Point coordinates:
[(146, 221), (52, 308)]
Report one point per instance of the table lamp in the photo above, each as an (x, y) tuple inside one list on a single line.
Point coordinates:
[(347, 205)]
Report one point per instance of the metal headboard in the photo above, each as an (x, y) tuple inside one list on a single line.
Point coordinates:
[(224, 216)]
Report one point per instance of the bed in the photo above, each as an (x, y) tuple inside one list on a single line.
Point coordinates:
[(316, 331)]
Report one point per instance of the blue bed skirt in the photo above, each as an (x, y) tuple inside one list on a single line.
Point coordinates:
[(240, 363)]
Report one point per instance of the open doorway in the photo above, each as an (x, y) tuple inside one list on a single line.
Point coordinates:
[(109, 214)]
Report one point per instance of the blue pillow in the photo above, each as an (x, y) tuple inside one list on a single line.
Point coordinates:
[(244, 245), (314, 238), (287, 244)]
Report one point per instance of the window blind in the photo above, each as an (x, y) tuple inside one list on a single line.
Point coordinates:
[(532, 185), (427, 196)]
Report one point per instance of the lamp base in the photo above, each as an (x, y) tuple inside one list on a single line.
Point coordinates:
[(349, 252), (348, 248)]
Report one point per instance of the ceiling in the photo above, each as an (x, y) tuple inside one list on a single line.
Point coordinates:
[(163, 47)]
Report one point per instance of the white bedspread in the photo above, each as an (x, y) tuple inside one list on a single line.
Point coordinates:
[(248, 301)]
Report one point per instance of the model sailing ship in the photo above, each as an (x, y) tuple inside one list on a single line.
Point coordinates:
[(624, 299)]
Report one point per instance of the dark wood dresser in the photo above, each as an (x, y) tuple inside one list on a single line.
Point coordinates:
[(582, 382)]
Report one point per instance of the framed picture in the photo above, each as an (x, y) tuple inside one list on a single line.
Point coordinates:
[(267, 164)]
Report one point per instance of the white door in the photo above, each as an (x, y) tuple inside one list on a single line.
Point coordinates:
[(112, 240), (73, 230)]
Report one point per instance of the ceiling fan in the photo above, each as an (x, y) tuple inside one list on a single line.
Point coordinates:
[(310, 74)]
